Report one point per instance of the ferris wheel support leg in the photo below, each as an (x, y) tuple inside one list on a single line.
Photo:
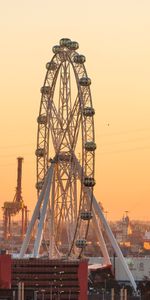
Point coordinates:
[(114, 243), (101, 240), (42, 216), (33, 220), (109, 233), (51, 225)]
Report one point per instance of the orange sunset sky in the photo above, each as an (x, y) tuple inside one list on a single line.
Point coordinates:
[(114, 35)]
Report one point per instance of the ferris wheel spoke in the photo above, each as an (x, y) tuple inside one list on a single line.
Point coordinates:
[(68, 128), (74, 122), (70, 133), (66, 201)]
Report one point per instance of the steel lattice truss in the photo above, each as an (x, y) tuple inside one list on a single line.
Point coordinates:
[(66, 205)]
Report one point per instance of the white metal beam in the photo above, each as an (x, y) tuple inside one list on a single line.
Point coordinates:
[(38, 239), (113, 242), (101, 240), (34, 217)]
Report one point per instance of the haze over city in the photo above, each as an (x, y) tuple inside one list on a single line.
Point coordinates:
[(115, 38)]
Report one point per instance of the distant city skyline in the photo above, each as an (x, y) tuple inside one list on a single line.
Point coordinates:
[(115, 38)]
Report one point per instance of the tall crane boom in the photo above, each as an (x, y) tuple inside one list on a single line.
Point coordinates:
[(19, 179)]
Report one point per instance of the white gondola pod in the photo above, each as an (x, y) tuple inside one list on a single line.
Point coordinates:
[(72, 45), (51, 66), (39, 185), (79, 59), (56, 49), (90, 146), (82, 243), (64, 41), (86, 215), (42, 119), (84, 81), (89, 181), (40, 152), (88, 111), (45, 90)]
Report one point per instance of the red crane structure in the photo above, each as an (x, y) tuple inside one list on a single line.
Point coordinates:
[(14, 207)]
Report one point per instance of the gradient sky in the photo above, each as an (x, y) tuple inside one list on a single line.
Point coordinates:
[(115, 38)]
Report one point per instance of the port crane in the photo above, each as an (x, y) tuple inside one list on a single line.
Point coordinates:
[(12, 208)]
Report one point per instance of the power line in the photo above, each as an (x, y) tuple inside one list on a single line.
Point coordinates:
[(124, 132), (127, 141), (16, 146), (125, 150)]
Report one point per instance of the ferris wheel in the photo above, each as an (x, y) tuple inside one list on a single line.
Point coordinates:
[(65, 158), (66, 128)]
